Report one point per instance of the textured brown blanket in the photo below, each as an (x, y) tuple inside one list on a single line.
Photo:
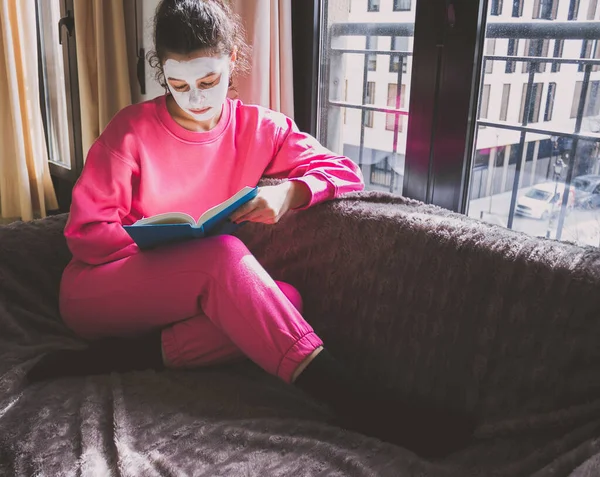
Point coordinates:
[(435, 304)]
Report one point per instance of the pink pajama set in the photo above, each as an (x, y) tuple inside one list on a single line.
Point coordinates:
[(211, 298)]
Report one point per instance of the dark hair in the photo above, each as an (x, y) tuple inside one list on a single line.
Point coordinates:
[(185, 26)]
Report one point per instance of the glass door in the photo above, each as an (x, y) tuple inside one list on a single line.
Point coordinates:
[(536, 166), (366, 65), (59, 94)]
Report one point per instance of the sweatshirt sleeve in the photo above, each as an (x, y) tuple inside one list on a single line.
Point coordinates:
[(101, 199), (300, 157)]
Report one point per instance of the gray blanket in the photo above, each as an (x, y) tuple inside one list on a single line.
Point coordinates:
[(432, 303)]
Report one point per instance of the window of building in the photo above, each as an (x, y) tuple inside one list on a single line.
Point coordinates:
[(402, 5), (517, 10), (505, 100), (537, 48), (399, 43), (373, 5), (496, 8), (591, 14), (573, 10), (369, 99), (490, 50), (550, 102), (513, 46), (587, 46), (395, 63), (534, 103), (558, 52), (345, 98), (392, 102), (592, 100), (485, 102), (371, 58), (545, 9)]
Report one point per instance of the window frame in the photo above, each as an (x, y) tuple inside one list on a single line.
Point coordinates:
[(64, 177)]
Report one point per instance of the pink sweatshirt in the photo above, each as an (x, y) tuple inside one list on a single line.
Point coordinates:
[(144, 164)]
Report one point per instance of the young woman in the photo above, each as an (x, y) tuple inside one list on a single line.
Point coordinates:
[(208, 301)]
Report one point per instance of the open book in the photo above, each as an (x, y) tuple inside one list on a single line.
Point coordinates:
[(176, 226)]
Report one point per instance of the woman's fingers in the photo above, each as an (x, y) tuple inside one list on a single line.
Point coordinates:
[(240, 214)]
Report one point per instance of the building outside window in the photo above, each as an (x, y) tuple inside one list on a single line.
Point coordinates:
[(402, 5), (373, 5)]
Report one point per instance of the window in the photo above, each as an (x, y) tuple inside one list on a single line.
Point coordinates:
[(369, 99), (490, 50), (345, 98), (373, 5), (558, 52), (496, 8), (573, 10), (392, 102), (399, 43), (505, 100), (586, 52), (402, 5), (545, 9), (485, 102), (591, 14), (513, 46), (395, 63), (592, 100), (517, 10), (371, 58), (537, 48), (54, 96), (550, 102), (534, 103)]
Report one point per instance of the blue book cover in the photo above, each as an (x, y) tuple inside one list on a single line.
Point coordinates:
[(175, 227)]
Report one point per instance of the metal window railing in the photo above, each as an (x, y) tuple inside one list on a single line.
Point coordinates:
[(586, 30)]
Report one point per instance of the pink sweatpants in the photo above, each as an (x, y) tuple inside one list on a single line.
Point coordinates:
[(211, 297)]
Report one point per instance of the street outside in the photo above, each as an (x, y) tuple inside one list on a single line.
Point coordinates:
[(581, 226)]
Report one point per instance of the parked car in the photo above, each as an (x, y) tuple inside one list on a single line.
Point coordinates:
[(587, 191), (543, 200)]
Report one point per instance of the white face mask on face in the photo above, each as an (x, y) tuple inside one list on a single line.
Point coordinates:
[(196, 99)]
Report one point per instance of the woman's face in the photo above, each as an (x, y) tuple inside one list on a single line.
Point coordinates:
[(199, 82)]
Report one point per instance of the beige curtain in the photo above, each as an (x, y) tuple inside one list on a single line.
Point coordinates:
[(26, 189), (268, 26), (102, 66)]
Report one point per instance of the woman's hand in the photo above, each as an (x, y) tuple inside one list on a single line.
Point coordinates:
[(272, 203)]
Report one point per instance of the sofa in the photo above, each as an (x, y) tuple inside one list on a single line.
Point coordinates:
[(433, 304)]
